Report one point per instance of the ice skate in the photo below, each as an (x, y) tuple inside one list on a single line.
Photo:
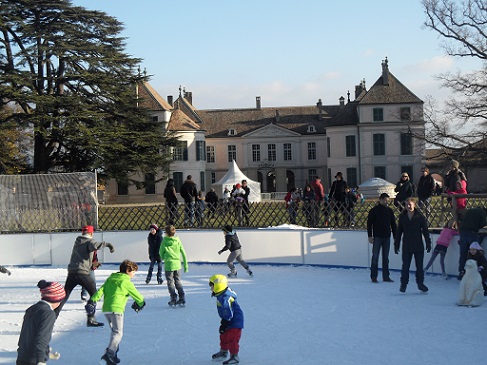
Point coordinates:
[(159, 281), (232, 274), (181, 303), (172, 303), (423, 288), (403, 287), (251, 274), (444, 275), (220, 355), (92, 322), (232, 360), (108, 358)]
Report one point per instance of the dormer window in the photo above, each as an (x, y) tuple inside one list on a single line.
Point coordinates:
[(311, 129), (232, 132)]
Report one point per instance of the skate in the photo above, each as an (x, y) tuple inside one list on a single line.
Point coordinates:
[(92, 322), (108, 358), (251, 274), (444, 275), (181, 303), (232, 274), (423, 288), (172, 303), (232, 360), (159, 281), (220, 355), (403, 287)]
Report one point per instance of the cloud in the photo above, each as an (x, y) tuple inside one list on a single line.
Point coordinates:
[(368, 53), (436, 64)]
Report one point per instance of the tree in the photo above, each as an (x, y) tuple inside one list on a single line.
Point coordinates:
[(67, 70), (13, 155), (463, 28)]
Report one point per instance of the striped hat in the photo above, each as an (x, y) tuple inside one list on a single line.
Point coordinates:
[(51, 292)]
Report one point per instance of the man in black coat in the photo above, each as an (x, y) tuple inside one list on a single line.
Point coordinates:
[(337, 196), (426, 187), (381, 222), (411, 226), (189, 192)]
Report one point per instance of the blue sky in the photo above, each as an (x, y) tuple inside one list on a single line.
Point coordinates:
[(227, 52)]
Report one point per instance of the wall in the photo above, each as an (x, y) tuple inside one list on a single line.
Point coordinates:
[(306, 247)]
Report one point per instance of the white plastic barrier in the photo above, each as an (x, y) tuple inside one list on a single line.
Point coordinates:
[(274, 246)]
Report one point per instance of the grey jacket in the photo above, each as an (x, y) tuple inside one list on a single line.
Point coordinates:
[(82, 255)]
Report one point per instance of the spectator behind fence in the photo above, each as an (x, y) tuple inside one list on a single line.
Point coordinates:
[(426, 188), (310, 205), (189, 192), (211, 199), (337, 196), (461, 203), (404, 190), (453, 176), (171, 202), (292, 204)]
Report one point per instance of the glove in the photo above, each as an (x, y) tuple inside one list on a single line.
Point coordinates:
[(90, 307), (110, 247), (186, 269), (223, 326), (137, 308), (5, 270), (53, 355), (371, 239), (220, 252), (480, 268), (428, 248), (396, 250)]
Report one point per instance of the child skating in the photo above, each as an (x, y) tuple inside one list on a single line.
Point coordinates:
[(171, 251), (232, 243), (116, 291), (446, 234), (154, 240), (232, 320)]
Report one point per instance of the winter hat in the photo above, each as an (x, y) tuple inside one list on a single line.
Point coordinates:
[(338, 174), (51, 292), (455, 164), (228, 228), (88, 229), (475, 245), (238, 186), (153, 225)]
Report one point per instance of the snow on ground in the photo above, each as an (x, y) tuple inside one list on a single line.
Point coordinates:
[(293, 316)]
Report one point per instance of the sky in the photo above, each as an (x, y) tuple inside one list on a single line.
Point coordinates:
[(294, 315), (227, 52)]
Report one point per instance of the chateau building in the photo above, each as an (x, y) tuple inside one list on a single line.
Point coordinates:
[(282, 147)]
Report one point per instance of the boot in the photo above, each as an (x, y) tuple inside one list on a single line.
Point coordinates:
[(232, 360), (403, 287), (115, 358), (251, 274), (181, 302), (92, 322), (422, 287), (232, 273), (159, 280), (172, 303), (149, 276), (220, 355), (109, 358)]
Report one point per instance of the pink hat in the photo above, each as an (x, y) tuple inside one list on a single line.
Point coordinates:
[(88, 229), (51, 292)]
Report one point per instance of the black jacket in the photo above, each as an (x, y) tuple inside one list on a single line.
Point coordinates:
[(412, 230), (337, 190), (154, 242), (404, 190), (188, 191), (426, 186), (381, 222), (35, 334), (232, 242), (170, 194)]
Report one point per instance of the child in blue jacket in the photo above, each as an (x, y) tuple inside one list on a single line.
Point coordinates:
[(232, 319)]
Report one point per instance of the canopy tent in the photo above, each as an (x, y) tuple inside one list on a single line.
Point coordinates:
[(372, 188), (235, 175)]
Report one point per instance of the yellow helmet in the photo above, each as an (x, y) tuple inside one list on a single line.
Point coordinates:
[(220, 283)]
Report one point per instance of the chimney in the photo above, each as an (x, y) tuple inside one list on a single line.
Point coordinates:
[(359, 89), (278, 117), (385, 72), (257, 103), (188, 95), (319, 104), (342, 101), (170, 100)]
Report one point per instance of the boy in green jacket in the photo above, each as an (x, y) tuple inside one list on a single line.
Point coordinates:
[(171, 251), (116, 290)]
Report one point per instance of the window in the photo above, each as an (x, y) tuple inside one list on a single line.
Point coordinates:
[(155, 118), (379, 144), (352, 176), (232, 153), (271, 152), (328, 147), (202, 181), (405, 113), (378, 114), (350, 146), (200, 151), (311, 129), (150, 185), (311, 150), (122, 188), (288, 152), (213, 177), (256, 152), (312, 174), (232, 132), (178, 180), (406, 144), (210, 154), (180, 153), (380, 171)]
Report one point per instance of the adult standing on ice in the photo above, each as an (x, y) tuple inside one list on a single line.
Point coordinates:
[(79, 268), (411, 226)]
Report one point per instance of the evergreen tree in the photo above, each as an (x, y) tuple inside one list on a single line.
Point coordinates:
[(67, 70)]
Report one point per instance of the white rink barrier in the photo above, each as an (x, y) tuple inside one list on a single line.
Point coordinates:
[(332, 248)]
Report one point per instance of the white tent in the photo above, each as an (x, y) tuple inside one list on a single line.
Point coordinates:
[(235, 175), (372, 188)]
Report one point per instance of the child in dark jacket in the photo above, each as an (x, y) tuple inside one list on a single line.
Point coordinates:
[(232, 243), (476, 253), (232, 320), (154, 240), (37, 326)]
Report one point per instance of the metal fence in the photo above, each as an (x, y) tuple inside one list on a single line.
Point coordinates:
[(255, 215)]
